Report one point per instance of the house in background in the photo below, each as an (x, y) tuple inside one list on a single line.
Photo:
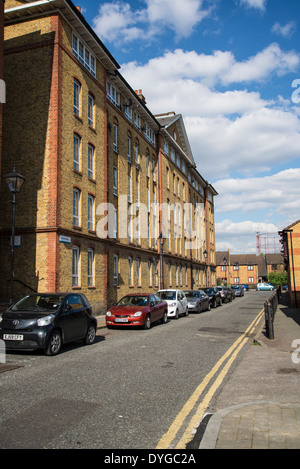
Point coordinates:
[(248, 269), (290, 240)]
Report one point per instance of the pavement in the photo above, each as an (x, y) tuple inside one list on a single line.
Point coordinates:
[(259, 405)]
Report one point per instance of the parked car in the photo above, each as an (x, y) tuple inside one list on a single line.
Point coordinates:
[(177, 302), (226, 295), (232, 292), (245, 286), (238, 290), (140, 309), (214, 296), (264, 286), (198, 301), (47, 321)]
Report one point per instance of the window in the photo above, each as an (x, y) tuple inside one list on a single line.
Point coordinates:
[(91, 212), (91, 152), (138, 271), (137, 156), (166, 147), (147, 164), (137, 121), (130, 264), (115, 182), (76, 98), (76, 207), (173, 155), (236, 267), (129, 189), (91, 107), (150, 273), (90, 272), (116, 269), (83, 55), (236, 279), (113, 94), (250, 267), (251, 280), (149, 134), (167, 177), (155, 272), (115, 223), (115, 137), (129, 148), (76, 152), (75, 266)]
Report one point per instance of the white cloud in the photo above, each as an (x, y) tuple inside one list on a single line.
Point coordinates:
[(286, 30), (277, 195), (258, 4), (118, 22)]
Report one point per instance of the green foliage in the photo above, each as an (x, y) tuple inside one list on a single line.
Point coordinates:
[(278, 278)]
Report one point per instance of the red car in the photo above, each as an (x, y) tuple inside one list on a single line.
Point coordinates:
[(138, 310)]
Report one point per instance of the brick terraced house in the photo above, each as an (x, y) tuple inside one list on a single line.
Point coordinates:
[(290, 240), (113, 201)]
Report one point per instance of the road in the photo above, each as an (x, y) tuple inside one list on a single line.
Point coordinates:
[(132, 389)]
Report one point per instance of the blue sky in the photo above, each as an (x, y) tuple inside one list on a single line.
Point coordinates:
[(232, 69)]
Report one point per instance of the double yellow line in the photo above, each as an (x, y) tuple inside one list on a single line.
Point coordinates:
[(190, 405)]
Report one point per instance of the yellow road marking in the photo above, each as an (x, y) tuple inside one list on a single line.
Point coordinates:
[(177, 424)]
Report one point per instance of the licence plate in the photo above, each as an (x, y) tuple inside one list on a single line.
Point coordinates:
[(13, 337), (121, 320)]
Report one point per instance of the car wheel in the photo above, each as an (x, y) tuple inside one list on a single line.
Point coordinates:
[(90, 335), (177, 314), (164, 319), (54, 343), (208, 308), (215, 303), (147, 324), (186, 311)]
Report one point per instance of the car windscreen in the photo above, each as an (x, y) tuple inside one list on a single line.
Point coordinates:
[(38, 303), (167, 295), (133, 300), (192, 294), (209, 290)]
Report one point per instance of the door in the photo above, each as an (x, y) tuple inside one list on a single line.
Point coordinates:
[(73, 318)]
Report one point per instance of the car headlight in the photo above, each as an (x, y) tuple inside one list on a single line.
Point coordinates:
[(108, 313), (137, 314), (46, 320), (172, 304), (1, 318)]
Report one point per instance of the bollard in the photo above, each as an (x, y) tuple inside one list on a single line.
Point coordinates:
[(269, 321)]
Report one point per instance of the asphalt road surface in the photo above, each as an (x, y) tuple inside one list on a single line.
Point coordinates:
[(132, 389)]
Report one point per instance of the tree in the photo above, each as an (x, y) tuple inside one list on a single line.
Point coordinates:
[(278, 278)]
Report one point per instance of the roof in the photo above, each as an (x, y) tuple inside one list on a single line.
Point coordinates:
[(290, 226), (73, 16)]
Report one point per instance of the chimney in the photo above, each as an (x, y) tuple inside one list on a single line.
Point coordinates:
[(141, 96), (79, 9)]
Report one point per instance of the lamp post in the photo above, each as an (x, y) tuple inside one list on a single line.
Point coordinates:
[(205, 257), (15, 182)]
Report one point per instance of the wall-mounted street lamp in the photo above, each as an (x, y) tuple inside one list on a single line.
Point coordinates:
[(15, 182)]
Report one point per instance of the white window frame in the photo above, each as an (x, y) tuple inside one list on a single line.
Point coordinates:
[(83, 54), (115, 181), (76, 206), (116, 269), (77, 98), (91, 110), (91, 212), (115, 137), (75, 266), (76, 151), (90, 268), (91, 161)]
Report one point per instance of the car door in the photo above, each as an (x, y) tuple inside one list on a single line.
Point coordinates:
[(160, 307), (181, 302), (73, 318), (153, 308)]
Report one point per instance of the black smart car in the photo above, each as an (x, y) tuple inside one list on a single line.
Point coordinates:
[(47, 321)]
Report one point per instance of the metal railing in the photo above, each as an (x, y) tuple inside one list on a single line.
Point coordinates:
[(270, 307)]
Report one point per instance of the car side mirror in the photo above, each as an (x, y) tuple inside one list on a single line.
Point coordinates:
[(151, 304), (68, 308), (114, 304)]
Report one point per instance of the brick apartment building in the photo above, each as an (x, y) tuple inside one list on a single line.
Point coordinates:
[(290, 239), (110, 188)]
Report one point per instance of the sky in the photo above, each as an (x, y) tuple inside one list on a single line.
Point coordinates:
[(232, 69)]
